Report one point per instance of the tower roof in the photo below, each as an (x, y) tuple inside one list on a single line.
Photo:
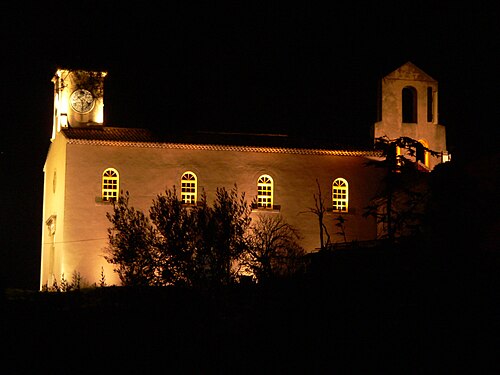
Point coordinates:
[(409, 71)]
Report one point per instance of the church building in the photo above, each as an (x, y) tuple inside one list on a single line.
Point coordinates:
[(89, 165)]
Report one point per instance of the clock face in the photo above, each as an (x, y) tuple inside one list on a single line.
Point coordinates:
[(82, 101)]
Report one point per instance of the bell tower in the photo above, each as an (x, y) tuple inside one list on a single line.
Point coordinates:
[(408, 107), (78, 99)]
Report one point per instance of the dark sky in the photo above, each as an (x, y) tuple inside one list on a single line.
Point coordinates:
[(281, 67)]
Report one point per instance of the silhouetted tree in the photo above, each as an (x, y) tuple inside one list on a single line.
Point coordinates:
[(131, 241), (224, 237), (320, 210), (174, 244), (341, 225), (273, 248), (179, 244), (400, 205), (203, 241)]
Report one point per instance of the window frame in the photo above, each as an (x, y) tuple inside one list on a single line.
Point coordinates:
[(189, 194), (265, 192), (110, 185), (340, 195)]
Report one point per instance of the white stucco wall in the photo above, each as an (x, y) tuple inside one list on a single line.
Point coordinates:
[(53, 207), (146, 172)]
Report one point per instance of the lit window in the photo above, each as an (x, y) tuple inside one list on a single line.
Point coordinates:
[(340, 195), (188, 188), (110, 184), (265, 191)]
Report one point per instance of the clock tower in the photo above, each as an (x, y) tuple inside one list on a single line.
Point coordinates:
[(78, 99)]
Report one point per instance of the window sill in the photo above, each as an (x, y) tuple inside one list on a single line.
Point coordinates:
[(275, 208), (101, 201), (335, 212)]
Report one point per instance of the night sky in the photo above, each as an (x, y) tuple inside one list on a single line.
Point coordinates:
[(281, 67)]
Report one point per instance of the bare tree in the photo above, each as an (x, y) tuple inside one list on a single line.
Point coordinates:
[(341, 225), (320, 210), (273, 249)]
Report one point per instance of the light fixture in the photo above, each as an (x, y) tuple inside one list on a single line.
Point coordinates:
[(64, 120)]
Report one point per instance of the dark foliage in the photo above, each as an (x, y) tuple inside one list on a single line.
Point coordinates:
[(399, 207), (229, 221), (273, 250), (179, 244), (174, 240), (131, 244)]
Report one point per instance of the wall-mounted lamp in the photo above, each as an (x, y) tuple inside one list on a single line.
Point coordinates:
[(64, 120), (445, 156)]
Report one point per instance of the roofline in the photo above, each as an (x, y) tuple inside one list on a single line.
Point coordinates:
[(214, 147)]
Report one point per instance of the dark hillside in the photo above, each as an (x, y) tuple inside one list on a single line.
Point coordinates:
[(363, 311)]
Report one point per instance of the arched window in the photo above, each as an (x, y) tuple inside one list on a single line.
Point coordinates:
[(409, 102), (188, 188), (110, 184), (265, 191), (340, 195)]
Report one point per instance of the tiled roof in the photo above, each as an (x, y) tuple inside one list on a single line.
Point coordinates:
[(100, 133), (133, 137)]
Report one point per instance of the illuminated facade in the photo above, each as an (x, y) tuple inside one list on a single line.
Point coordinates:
[(89, 164)]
